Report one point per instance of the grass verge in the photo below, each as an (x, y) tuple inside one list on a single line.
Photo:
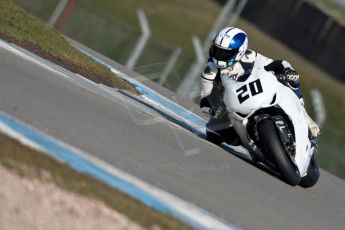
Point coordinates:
[(32, 164), (27, 31)]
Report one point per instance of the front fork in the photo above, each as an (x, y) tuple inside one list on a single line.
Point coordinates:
[(286, 136)]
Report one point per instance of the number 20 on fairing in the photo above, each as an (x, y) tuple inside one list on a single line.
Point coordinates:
[(255, 88)]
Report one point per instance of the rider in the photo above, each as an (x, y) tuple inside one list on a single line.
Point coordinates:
[(229, 56)]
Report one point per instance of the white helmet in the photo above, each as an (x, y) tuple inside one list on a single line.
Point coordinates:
[(228, 47)]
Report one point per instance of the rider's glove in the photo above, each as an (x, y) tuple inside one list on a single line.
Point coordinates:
[(208, 111), (291, 75)]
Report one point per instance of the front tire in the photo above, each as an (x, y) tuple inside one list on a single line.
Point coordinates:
[(271, 140), (312, 176)]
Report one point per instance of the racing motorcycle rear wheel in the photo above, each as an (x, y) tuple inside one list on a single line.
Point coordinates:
[(274, 147)]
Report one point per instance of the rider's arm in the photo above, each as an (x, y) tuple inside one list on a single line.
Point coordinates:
[(208, 75), (277, 66), (283, 69)]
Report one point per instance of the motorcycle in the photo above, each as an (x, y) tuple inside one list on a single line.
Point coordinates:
[(271, 123)]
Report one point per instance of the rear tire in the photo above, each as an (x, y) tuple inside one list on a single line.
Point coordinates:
[(276, 150), (312, 176)]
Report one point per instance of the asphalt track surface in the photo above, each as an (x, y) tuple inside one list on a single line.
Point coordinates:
[(155, 152)]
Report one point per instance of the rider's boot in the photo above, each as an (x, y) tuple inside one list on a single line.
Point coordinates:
[(219, 128)]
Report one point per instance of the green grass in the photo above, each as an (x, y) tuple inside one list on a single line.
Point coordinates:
[(112, 28), (172, 21), (19, 27), (331, 153), (32, 164)]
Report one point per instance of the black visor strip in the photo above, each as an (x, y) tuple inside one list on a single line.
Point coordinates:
[(222, 54)]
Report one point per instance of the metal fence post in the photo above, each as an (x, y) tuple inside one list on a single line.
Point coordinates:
[(228, 7), (133, 58), (169, 67), (188, 84), (62, 13), (237, 12), (57, 12)]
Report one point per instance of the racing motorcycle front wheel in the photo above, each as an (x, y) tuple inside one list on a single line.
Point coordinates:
[(274, 147), (312, 176)]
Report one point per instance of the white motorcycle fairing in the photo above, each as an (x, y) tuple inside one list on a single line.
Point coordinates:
[(262, 90)]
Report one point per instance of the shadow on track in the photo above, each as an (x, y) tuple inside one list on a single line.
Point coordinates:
[(268, 169)]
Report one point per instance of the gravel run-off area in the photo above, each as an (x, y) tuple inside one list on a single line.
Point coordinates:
[(35, 204)]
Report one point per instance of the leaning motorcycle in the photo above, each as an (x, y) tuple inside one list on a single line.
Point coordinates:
[(271, 123)]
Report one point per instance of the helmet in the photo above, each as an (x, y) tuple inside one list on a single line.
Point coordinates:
[(228, 47)]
